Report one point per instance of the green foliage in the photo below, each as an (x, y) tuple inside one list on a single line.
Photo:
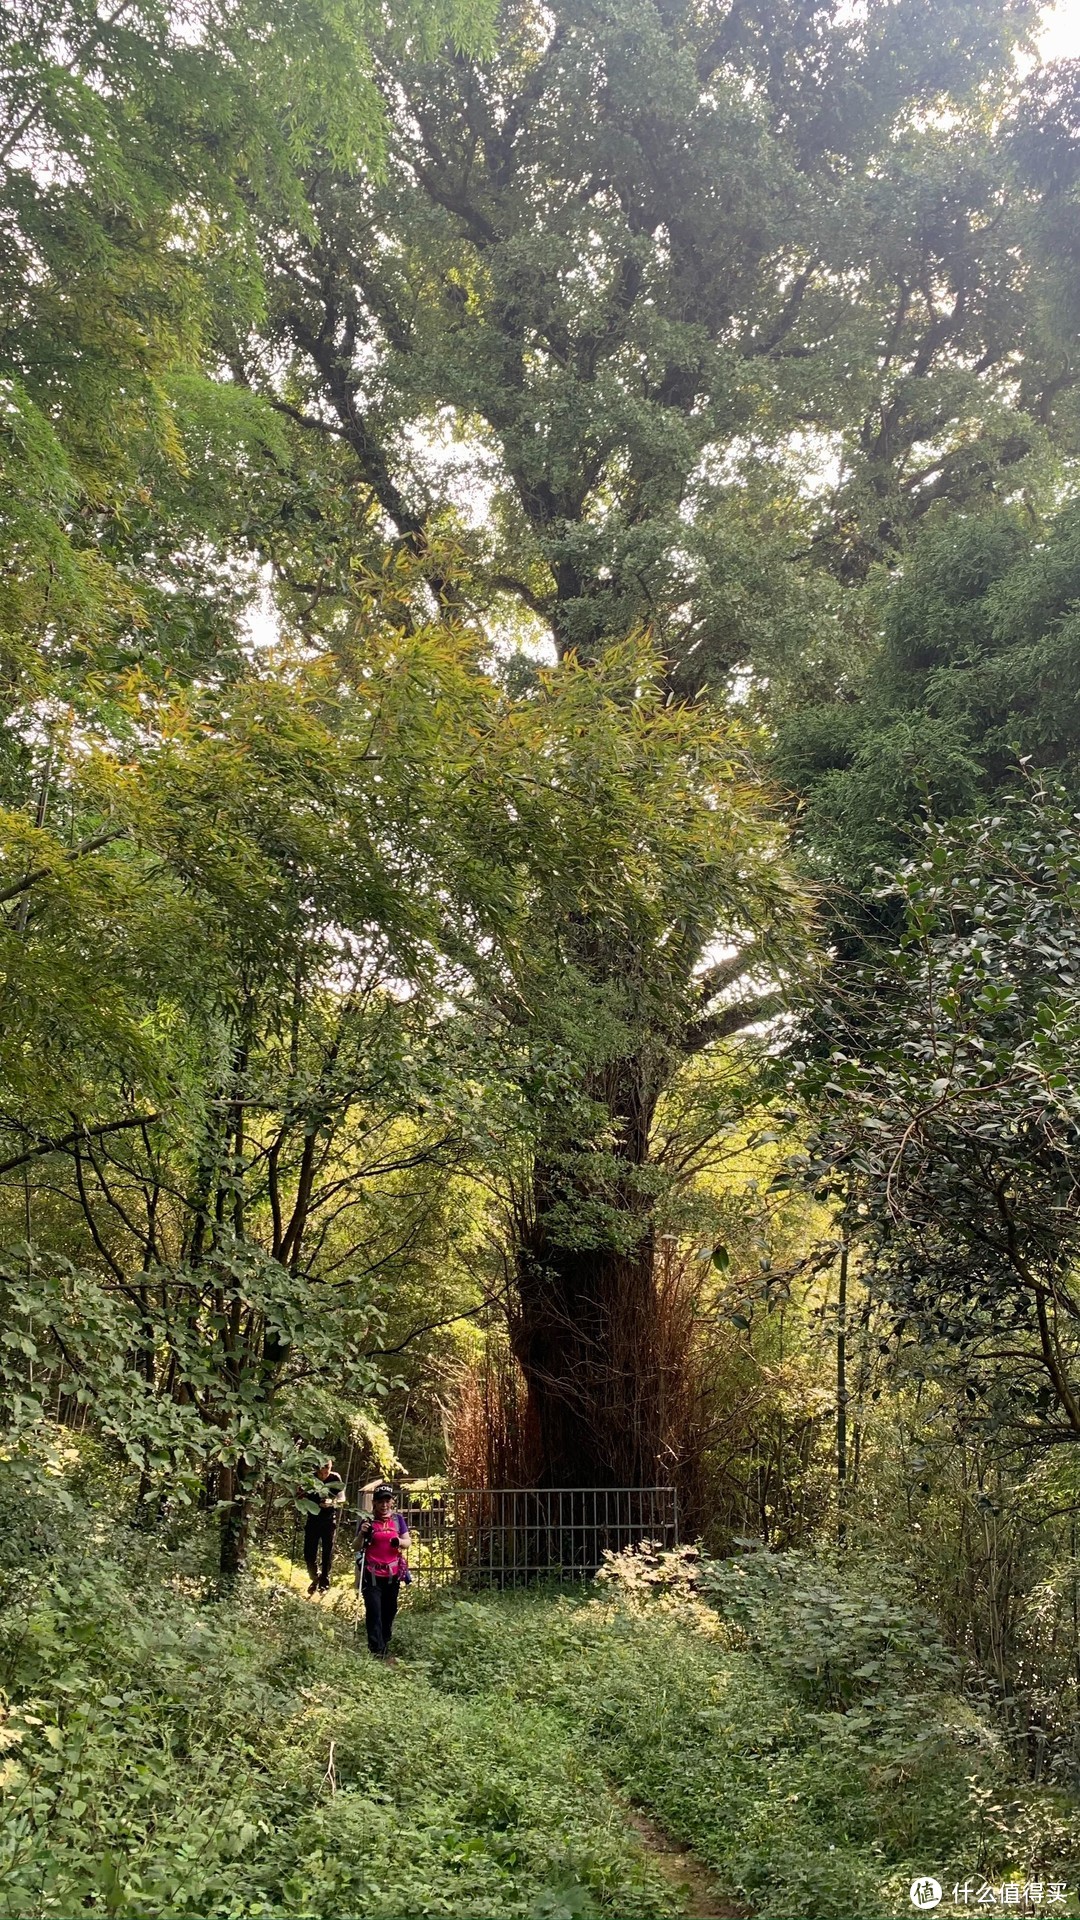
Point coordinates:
[(250, 1758), (842, 1637), (217, 1405), (952, 1133), (654, 841), (977, 664), (814, 1756), (204, 1003), (669, 435), (988, 1540)]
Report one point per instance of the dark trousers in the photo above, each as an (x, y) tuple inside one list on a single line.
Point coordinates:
[(320, 1532), (380, 1605)]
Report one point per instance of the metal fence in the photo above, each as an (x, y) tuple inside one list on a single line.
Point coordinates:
[(513, 1536)]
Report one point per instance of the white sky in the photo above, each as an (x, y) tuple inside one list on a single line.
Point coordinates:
[(1060, 37)]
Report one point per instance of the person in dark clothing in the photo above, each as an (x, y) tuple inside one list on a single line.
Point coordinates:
[(382, 1542), (324, 1498)]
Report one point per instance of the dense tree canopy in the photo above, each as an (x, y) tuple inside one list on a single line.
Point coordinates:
[(976, 669), (953, 1132), (648, 274), (722, 356)]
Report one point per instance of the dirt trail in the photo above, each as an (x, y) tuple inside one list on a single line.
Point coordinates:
[(686, 1875), (683, 1871)]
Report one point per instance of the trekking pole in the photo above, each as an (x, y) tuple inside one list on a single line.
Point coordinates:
[(360, 1565)]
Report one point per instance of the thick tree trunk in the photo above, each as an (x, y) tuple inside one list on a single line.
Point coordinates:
[(585, 1336), (585, 1333)]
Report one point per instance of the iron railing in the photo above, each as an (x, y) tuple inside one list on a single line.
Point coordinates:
[(513, 1536)]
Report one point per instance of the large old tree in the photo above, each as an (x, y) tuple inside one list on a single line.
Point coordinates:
[(624, 319), (679, 318)]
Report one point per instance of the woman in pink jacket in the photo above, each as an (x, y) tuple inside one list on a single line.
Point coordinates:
[(382, 1542)]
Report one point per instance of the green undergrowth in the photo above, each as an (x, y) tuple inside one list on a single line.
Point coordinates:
[(166, 1757), (803, 1731), (165, 1754)]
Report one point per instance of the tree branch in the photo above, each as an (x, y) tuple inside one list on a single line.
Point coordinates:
[(71, 1139), (429, 1326), (734, 1019), (91, 845), (87, 47)]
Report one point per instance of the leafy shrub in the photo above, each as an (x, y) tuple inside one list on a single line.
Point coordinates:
[(839, 1638), (729, 1730), (160, 1755)]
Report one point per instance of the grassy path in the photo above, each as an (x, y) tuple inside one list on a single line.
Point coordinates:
[(691, 1885), (544, 1756), (566, 1756), (687, 1888)]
